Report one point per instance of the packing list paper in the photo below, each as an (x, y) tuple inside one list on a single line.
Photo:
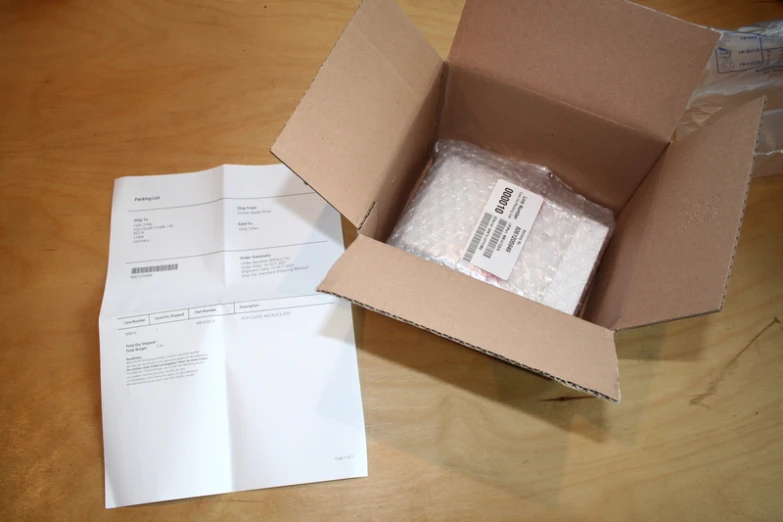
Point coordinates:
[(221, 367)]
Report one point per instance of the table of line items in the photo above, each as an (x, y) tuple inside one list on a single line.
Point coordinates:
[(262, 307)]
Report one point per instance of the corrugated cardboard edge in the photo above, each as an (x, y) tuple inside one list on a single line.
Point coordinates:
[(621, 323), (568, 384), (744, 206), (357, 274)]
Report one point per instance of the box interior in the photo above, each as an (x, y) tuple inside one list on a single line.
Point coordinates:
[(669, 201), (613, 58)]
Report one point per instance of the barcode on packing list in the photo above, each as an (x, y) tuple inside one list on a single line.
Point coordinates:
[(474, 243), (493, 241), (156, 268)]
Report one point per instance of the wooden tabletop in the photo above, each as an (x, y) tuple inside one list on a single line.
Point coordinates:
[(91, 91)]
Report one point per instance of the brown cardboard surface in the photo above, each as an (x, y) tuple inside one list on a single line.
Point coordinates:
[(672, 252), (385, 279), (601, 159), (612, 282), (616, 59), (406, 170), (353, 124)]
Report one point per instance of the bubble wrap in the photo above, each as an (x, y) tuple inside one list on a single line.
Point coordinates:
[(561, 252)]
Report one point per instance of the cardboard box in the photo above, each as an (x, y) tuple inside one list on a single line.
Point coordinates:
[(591, 89)]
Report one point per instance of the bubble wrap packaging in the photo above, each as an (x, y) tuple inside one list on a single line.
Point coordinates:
[(562, 249)]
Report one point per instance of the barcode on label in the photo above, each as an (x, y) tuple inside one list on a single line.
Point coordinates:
[(474, 243), (157, 268), (493, 241)]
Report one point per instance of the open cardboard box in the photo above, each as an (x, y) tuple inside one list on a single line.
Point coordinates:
[(591, 89)]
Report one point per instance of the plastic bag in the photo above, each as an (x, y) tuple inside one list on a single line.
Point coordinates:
[(747, 63), (445, 220)]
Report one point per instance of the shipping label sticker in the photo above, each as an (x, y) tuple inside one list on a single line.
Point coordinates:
[(502, 229)]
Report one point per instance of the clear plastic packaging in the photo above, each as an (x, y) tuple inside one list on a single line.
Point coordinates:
[(562, 249), (747, 63)]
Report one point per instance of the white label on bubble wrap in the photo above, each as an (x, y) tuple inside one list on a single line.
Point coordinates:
[(502, 229)]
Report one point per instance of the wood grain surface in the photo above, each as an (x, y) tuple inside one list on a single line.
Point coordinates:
[(91, 91)]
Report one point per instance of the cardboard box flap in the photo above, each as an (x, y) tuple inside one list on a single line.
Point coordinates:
[(616, 59), (675, 241), (347, 130), (398, 284)]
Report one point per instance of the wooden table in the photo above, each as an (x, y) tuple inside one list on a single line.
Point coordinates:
[(96, 90)]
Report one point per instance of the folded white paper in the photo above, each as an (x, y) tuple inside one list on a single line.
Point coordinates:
[(221, 367)]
